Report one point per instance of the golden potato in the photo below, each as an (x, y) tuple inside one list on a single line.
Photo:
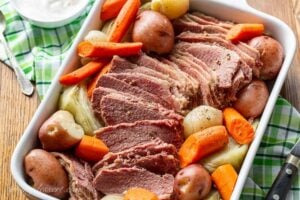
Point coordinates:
[(171, 8)]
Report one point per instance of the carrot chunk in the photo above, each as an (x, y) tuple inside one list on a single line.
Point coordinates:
[(91, 149), (243, 32), (82, 73), (124, 19), (225, 178), (238, 127), (201, 144), (139, 194), (111, 9), (92, 85), (108, 49)]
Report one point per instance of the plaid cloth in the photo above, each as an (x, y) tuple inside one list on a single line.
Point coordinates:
[(282, 133), (40, 52)]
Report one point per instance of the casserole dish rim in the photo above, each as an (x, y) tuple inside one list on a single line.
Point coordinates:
[(47, 106)]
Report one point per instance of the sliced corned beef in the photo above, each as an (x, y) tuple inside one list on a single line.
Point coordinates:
[(200, 19), (156, 86), (117, 181), (215, 40), (118, 108), (157, 157), (108, 81), (121, 65), (80, 177), (181, 25), (126, 135), (213, 19), (224, 62), (186, 86)]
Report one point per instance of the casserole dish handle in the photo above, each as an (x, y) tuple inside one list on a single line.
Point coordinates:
[(235, 3)]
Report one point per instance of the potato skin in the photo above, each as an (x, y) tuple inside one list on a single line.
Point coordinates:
[(155, 31), (47, 174), (60, 132), (252, 99), (192, 183), (271, 55)]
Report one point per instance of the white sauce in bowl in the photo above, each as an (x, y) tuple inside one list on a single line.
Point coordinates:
[(49, 10)]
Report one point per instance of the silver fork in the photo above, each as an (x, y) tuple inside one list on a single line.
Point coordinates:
[(26, 85)]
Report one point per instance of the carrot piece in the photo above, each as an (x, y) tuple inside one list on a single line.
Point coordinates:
[(225, 178), (201, 144), (124, 19), (238, 127), (82, 73), (91, 149), (140, 194), (108, 49), (111, 9), (92, 85), (242, 32)]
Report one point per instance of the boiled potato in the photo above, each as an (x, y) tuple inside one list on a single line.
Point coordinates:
[(233, 154), (46, 173), (171, 8), (155, 31), (95, 36), (201, 118), (252, 99), (60, 132), (192, 183), (113, 197), (271, 55)]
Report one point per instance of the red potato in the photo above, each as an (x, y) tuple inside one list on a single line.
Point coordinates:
[(60, 132), (271, 55), (192, 183), (47, 174), (155, 31), (252, 99)]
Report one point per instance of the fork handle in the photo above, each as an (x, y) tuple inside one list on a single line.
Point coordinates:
[(26, 85)]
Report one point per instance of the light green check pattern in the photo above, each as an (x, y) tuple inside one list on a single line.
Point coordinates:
[(282, 133), (39, 51)]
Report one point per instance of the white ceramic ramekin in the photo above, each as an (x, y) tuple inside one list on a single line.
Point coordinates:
[(50, 23)]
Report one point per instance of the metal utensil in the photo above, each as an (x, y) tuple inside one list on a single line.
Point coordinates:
[(26, 85), (288, 171)]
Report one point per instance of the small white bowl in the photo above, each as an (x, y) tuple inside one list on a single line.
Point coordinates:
[(49, 23)]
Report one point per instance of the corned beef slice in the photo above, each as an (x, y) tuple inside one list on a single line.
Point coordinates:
[(158, 87), (117, 181), (171, 71), (126, 135), (215, 40), (224, 62), (181, 25), (155, 156), (117, 108), (108, 81), (80, 177), (121, 65), (201, 19)]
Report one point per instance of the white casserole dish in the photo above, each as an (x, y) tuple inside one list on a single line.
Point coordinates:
[(235, 10)]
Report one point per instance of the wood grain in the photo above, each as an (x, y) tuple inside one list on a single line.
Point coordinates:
[(16, 109)]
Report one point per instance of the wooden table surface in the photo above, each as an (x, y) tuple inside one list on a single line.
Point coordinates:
[(16, 109)]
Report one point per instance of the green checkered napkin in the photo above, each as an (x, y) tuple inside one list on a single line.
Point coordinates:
[(282, 133), (40, 52)]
